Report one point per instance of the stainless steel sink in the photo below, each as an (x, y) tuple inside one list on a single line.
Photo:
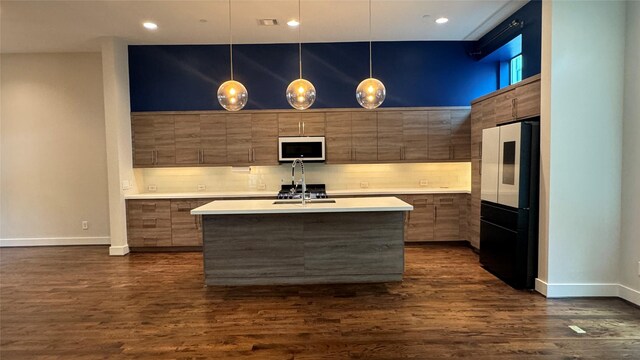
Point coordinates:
[(313, 201)]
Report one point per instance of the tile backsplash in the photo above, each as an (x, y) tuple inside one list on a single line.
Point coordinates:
[(337, 177)]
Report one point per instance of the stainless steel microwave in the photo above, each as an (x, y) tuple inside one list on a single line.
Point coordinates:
[(307, 148)]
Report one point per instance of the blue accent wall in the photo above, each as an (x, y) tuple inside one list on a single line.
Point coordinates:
[(421, 73), (531, 32)]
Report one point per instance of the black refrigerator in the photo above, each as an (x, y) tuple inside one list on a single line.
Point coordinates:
[(509, 202)]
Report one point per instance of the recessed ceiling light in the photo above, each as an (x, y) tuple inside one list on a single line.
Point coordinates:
[(293, 23), (441, 20), (149, 25)]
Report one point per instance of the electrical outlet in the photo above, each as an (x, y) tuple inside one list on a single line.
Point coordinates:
[(85, 225), (152, 188), (364, 184), (423, 182), (262, 186), (202, 187)]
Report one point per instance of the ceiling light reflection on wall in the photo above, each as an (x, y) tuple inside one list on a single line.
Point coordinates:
[(150, 25)]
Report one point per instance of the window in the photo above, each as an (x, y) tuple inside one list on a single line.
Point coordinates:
[(515, 69)]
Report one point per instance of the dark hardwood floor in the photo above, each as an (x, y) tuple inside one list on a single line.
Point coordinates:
[(77, 302)]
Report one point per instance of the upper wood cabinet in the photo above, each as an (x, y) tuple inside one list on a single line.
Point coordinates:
[(440, 135), (460, 134), (519, 103), (200, 139), (338, 137), (238, 139), (528, 100), (390, 136), (153, 140), (351, 137), (301, 124), (264, 139), (415, 135), (251, 138), (364, 136)]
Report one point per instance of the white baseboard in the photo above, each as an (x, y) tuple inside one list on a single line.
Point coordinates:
[(58, 241), (627, 293), (587, 290), (119, 250)]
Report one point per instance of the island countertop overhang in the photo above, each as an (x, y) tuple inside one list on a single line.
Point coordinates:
[(361, 204)]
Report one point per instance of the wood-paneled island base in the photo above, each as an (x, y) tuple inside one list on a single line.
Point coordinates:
[(257, 242)]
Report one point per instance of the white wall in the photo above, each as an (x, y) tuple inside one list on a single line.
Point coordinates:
[(583, 161), (53, 171), (630, 236)]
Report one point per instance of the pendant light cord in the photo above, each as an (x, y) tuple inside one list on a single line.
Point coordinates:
[(230, 41), (299, 41), (370, 62)]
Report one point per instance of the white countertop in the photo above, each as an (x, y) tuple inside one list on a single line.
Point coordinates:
[(227, 207), (272, 194)]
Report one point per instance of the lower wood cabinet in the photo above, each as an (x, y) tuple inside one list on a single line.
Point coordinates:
[(164, 223), (436, 217)]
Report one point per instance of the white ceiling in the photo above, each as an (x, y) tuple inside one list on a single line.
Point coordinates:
[(69, 26)]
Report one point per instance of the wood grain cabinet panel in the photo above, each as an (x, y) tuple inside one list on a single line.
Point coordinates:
[(504, 107), (264, 139), (301, 124), (415, 135), (238, 128), (447, 217), (149, 223), (390, 140), (461, 135), (440, 135), (289, 124), (213, 139), (313, 124), (528, 100), (421, 220), (186, 229), (476, 131), (338, 137), (364, 132), (153, 140), (188, 139)]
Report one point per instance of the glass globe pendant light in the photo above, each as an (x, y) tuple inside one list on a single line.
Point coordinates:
[(232, 95), (371, 92), (301, 93)]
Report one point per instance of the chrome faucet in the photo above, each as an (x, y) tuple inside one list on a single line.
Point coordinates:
[(293, 179)]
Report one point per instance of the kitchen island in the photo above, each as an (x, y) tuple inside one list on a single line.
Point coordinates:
[(267, 242)]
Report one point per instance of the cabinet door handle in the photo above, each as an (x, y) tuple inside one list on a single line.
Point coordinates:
[(249, 154), (303, 128), (299, 131), (253, 155), (436, 212)]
